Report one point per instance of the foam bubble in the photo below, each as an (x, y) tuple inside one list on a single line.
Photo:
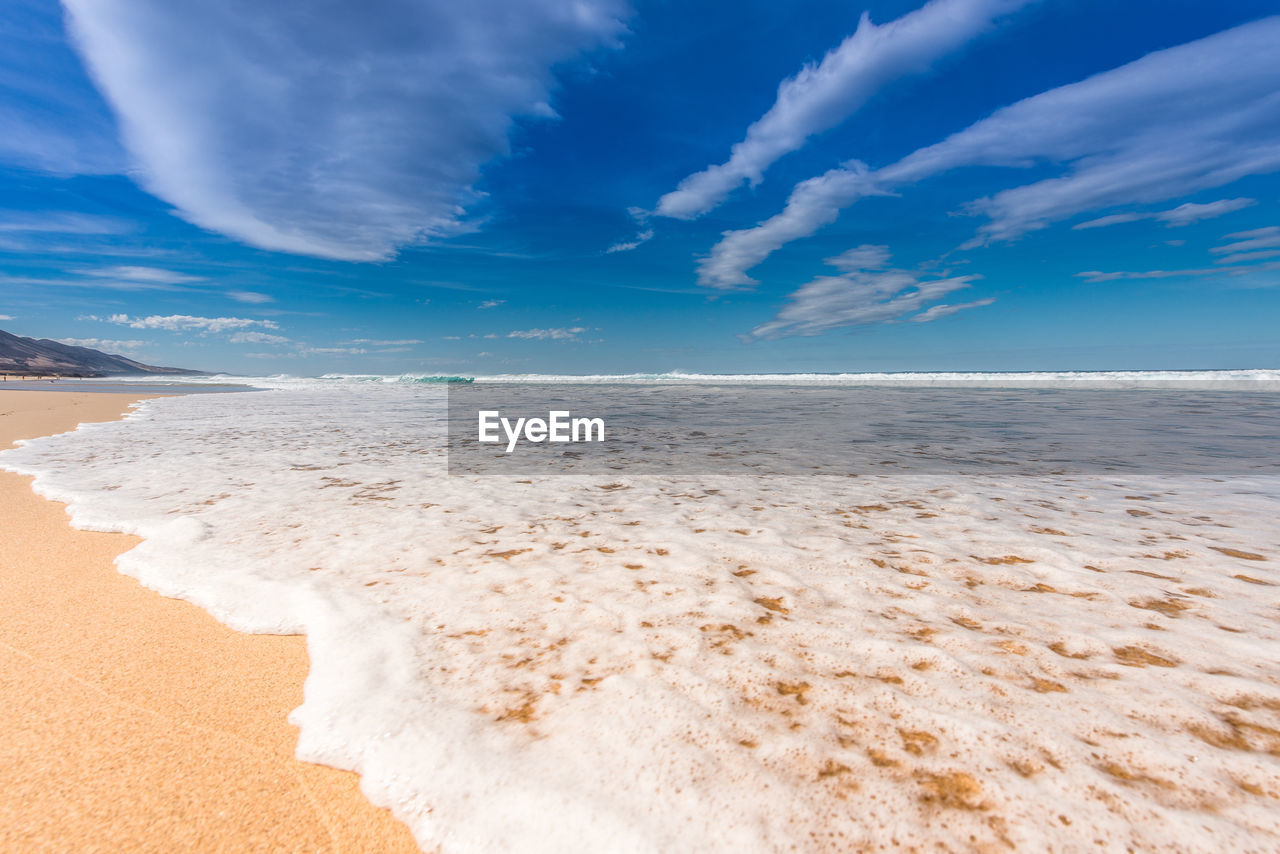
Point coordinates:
[(719, 663), (1226, 380)]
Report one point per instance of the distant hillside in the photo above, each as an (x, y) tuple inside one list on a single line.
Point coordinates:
[(28, 355)]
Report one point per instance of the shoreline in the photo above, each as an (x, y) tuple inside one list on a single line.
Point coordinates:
[(136, 722)]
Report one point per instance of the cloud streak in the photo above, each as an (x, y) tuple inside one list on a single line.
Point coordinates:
[(1249, 241), (143, 275), (106, 345), (938, 312), (1177, 121), (627, 245), (1259, 244), (343, 133), (1185, 214), (60, 222), (824, 95), (865, 293), (183, 322), (257, 338), (555, 334), (250, 297)]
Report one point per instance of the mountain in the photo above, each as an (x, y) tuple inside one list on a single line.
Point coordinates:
[(20, 355)]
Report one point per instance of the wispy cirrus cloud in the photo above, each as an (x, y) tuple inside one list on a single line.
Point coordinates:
[(60, 222), (122, 278), (491, 303), (639, 240), (553, 334), (1258, 242), (866, 292), (381, 342), (340, 134), (250, 297), (1094, 276), (107, 345), (258, 338), (1184, 214), (305, 350), (812, 204), (88, 283), (1237, 258), (942, 310), (823, 95), (1177, 121), (1247, 257), (184, 322), (142, 275)]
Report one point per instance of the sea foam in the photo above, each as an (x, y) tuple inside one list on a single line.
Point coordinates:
[(666, 663), (1260, 379)]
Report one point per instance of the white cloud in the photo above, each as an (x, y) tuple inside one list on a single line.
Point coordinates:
[(860, 297), (250, 297), (1248, 241), (1185, 214), (1255, 245), (626, 246), (1177, 121), (1259, 244), (107, 345), (87, 283), (1099, 276), (864, 257), (1111, 219), (378, 342), (257, 338), (143, 275), (177, 322), (59, 222), (813, 204), (1245, 257), (332, 351), (558, 334), (491, 303), (944, 310), (340, 132), (1189, 213), (6, 317), (822, 96)]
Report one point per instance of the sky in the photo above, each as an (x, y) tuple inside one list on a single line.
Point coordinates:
[(602, 186)]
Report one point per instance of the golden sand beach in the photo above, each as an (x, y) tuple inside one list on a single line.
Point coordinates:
[(131, 722)]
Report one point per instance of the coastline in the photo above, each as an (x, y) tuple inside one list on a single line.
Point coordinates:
[(136, 722)]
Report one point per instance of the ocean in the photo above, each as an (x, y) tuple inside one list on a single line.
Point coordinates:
[(826, 653)]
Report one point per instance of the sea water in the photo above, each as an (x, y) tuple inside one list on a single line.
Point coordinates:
[(705, 661)]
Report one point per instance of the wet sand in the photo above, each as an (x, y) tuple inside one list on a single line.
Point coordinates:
[(134, 722)]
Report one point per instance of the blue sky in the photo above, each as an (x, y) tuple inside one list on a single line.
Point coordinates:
[(537, 186)]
